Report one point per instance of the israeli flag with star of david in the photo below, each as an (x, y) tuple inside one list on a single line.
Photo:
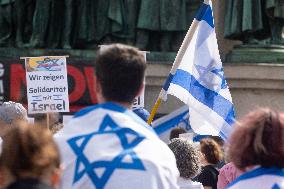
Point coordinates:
[(177, 118), (199, 80), (260, 178), (108, 146)]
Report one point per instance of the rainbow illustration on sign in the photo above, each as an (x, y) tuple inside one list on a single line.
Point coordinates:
[(45, 64)]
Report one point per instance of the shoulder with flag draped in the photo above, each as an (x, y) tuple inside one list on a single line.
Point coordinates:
[(266, 177), (108, 146)]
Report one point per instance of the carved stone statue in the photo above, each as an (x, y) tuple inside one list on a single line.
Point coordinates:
[(123, 15), (47, 23), (24, 10), (67, 39), (163, 23), (275, 12), (160, 18), (158, 25), (84, 30), (6, 22), (255, 21)]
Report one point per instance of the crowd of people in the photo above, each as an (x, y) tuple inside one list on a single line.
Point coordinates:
[(108, 146)]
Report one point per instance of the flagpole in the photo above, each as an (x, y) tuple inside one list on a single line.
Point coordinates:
[(182, 49), (180, 54), (154, 110)]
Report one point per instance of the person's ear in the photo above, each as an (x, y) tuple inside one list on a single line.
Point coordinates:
[(96, 83), (99, 90), (98, 86), (55, 178)]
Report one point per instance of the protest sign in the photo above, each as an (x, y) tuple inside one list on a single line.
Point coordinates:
[(47, 87), (80, 73), (139, 101)]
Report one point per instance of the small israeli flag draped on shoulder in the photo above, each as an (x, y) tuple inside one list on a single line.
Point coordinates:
[(108, 146), (199, 79), (260, 178)]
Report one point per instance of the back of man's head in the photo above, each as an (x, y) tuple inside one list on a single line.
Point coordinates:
[(120, 71), (175, 132)]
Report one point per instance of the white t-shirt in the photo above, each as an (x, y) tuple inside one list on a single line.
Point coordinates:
[(188, 184)]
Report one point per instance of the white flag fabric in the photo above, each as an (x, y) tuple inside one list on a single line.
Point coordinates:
[(260, 178), (108, 146), (200, 83)]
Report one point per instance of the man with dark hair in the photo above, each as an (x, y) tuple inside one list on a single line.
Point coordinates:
[(119, 74), (109, 146), (175, 132)]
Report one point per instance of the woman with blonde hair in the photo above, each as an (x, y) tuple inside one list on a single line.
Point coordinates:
[(29, 159)]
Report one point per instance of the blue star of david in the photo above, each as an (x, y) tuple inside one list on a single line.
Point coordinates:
[(220, 73), (275, 186), (204, 77), (108, 126), (185, 120)]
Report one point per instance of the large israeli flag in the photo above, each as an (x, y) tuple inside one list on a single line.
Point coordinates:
[(199, 79), (108, 146)]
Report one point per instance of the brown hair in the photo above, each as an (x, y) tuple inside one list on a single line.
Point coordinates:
[(120, 71), (258, 139), (211, 150), (175, 132), (29, 149)]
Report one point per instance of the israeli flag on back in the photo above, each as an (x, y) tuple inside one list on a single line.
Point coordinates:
[(199, 79), (108, 146), (260, 178)]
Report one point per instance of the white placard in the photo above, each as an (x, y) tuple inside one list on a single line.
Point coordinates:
[(139, 101), (47, 87)]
